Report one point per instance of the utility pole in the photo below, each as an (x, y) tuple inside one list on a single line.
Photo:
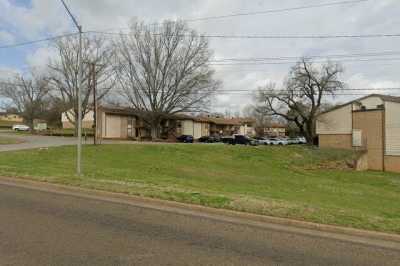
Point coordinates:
[(94, 103), (79, 96)]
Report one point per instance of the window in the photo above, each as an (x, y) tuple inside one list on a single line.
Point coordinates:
[(357, 138)]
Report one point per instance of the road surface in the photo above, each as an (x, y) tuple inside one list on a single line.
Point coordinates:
[(34, 141), (49, 228), (37, 141)]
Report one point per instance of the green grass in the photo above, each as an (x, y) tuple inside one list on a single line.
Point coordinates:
[(8, 124), (295, 182)]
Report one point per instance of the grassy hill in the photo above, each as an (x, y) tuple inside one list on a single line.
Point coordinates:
[(296, 182)]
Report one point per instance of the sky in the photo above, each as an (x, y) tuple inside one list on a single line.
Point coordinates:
[(24, 20)]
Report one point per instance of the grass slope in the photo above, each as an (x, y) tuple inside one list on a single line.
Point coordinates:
[(295, 182)]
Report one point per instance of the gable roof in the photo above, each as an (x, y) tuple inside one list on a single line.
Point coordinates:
[(218, 121), (385, 98)]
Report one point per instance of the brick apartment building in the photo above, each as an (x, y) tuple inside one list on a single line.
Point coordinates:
[(370, 124)]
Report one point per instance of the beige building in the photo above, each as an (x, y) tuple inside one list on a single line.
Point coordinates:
[(194, 126), (7, 117), (67, 117), (127, 123), (370, 124), (230, 126), (275, 130)]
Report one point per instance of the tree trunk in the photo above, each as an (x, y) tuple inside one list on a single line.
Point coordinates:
[(76, 124), (310, 132), (29, 122)]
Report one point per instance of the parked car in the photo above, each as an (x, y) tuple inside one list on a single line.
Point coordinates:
[(293, 141), (20, 128), (227, 140), (243, 140), (185, 138), (209, 139), (279, 141), (262, 141), (302, 140)]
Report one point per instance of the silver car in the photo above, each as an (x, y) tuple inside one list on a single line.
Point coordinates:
[(279, 141)]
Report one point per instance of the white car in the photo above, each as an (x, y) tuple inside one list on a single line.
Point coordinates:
[(302, 140), (20, 128), (278, 141), (263, 141)]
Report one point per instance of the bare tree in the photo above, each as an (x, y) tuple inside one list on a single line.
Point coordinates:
[(262, 121), (27, 95), (164, 71), (64, 71), (302, 98)]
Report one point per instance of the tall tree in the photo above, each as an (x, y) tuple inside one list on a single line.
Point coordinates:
[(165, 70), (302, 97), (27, 95), (64, 71), (262, 121)]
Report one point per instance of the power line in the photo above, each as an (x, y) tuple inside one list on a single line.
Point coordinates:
[(280, 10), (256, 59), (294, 62), (222, 36), (344, 89), (237, 91), (261, 59), (52, 38)]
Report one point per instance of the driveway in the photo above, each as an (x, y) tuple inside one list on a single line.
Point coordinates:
[(34, 141), (57, 227)]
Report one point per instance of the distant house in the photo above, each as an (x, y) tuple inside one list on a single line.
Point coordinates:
[(128, 123), (8, 117), (195, 126), (67, 117), (275, 130), (370, 124), (230, 126)]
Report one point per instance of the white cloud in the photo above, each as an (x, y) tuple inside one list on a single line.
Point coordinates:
[(6, 37), (48, 17), (39, 59)]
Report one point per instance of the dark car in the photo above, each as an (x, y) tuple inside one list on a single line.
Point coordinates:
[(227, 140), (185, 139), (242, 140), (204, 139), (209, 139)]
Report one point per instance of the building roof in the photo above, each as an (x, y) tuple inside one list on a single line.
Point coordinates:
[(214, 120), (385, 98)]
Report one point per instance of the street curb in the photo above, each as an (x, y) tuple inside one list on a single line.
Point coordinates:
[(283, 224)]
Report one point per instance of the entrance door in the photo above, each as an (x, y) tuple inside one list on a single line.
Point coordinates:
[(113, 126), (132, 127)]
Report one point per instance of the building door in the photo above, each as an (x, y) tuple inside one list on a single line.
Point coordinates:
[(113, 126), (132, 127)]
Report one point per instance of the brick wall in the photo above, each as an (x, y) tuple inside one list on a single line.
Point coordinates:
[(392, 164), (85, 124), (340, 141), (371, 125)]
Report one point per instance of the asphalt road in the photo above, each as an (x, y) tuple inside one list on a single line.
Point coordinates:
[(37, 141), (47, 228), (34, 141)]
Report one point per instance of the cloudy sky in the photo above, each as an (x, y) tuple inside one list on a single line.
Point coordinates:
[(24, 20)]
